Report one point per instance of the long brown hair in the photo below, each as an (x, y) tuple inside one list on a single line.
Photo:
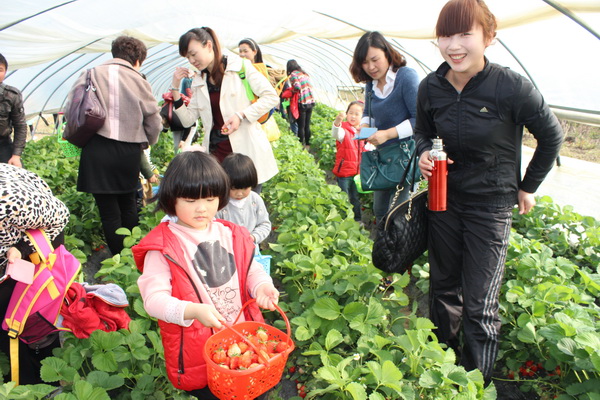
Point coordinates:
[(204, 35), (376, 40)]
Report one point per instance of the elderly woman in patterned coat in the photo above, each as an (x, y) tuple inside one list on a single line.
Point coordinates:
[(26, 202)]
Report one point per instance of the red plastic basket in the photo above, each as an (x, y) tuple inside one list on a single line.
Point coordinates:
[(248, 384)]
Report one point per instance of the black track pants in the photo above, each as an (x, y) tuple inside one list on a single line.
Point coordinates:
[(467, 252)]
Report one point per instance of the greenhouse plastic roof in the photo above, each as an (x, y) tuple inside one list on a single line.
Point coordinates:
[(47, 43)]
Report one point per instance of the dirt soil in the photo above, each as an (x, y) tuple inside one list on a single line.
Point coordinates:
[(581, 141)]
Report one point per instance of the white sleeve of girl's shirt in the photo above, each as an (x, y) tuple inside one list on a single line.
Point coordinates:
[(338, 133), (155, 288)]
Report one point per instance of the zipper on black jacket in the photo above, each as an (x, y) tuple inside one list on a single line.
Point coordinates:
[(458, 112)]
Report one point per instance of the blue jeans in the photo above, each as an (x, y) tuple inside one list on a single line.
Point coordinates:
[(347, 185)]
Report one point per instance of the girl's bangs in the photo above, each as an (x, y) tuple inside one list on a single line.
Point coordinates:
[(455, 17)]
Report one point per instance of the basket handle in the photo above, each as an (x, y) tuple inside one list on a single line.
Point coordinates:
[(229, 326), (283, 316), (249, 343)]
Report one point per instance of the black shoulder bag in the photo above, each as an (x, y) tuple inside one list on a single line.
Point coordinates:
[(401, 236)]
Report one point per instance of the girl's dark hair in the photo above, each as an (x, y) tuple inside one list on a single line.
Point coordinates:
[(359, 103), (192, 175), (376, 40), (458, 16), (129, 48), (292, 65), (254, 46), (241, 170), (204, 35)]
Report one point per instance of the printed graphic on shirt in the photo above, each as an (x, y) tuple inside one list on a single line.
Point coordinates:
[(216, 268)]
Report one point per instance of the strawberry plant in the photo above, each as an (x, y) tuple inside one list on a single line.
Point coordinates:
[(567, 233), (356, 338), (357, 333)]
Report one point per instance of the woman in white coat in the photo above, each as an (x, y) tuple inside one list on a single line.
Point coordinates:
[(219, 99)]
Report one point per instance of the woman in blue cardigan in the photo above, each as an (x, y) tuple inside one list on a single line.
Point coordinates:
[(391, 98)]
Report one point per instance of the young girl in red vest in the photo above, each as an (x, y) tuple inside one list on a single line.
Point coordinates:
[(347, 158), (199, 271)]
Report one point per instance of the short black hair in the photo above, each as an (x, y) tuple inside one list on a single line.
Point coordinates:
[(241, 170), (129, 48), (3, 61), (192, 175)]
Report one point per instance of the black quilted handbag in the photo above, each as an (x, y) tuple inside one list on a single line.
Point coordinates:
[(401, 235)]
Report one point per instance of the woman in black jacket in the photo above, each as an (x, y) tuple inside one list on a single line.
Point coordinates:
[(479, 110)]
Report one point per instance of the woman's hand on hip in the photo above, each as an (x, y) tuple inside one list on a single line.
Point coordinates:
[(526, 202)]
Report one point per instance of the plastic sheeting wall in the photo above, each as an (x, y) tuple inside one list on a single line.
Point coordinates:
[(48, 43)]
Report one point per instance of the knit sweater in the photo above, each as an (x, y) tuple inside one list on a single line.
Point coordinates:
[(301, 84), (399, 106)]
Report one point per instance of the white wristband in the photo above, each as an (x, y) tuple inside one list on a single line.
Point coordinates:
[(239, 115)]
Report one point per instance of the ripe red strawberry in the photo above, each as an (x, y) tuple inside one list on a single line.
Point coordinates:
[(219, 356), (272, 345), (234, 363), (281, 347)]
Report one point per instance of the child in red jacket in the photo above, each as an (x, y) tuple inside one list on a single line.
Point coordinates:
[(347, 158), (197, 272)]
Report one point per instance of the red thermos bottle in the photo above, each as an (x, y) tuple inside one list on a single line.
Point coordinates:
[(438, 179)]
